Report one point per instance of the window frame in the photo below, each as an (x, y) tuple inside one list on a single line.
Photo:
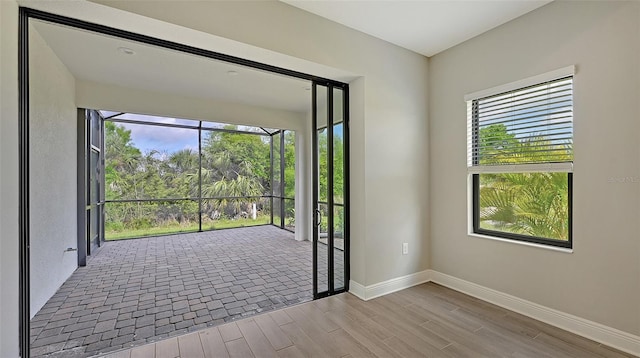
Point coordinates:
[(475, 222), (474, 174)]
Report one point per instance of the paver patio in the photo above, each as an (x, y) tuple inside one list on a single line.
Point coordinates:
[(137, 291)]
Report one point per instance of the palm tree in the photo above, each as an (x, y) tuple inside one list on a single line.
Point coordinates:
[(226, 179), (533, 204)]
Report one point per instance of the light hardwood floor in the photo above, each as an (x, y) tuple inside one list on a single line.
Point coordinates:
[(423, 321)]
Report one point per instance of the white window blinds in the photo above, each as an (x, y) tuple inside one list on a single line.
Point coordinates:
[(528, 129)]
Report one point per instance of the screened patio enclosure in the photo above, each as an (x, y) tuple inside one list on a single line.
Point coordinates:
[(166, 175), (134, 176)]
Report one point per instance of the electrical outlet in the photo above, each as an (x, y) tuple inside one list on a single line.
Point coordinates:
[(405, 248)]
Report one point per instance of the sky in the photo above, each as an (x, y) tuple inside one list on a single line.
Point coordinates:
[(163, 139), (148, 138), (167, 139)]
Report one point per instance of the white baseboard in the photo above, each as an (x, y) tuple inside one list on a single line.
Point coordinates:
[(609, 336), (357, 289), (595, 331), (389, 286)]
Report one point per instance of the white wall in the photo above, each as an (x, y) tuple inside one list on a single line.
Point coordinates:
[(388, 118), (53, 172), (600, 280), (9, 179)]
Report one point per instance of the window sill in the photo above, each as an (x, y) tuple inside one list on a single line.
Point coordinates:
[(524, 243)]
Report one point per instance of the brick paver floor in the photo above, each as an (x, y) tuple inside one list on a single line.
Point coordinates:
[(138, 291)]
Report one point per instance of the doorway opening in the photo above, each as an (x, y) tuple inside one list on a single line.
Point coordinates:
[(323, 230), (167, 175)]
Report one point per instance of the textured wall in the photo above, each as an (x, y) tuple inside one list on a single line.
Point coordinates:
[(53, 172)]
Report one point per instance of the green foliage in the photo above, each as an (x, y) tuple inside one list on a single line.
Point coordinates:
[(126, 233), (494, 139), (338, 165), (243, 154), (233, 165), (289, 165), (535, 204)]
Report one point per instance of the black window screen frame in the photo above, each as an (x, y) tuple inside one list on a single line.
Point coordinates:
[(521, 237)]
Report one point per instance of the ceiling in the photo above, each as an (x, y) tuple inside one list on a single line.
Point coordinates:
[(423, 26), (99, 58)]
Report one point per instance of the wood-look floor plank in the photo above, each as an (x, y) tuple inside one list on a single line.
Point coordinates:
[(511, 342), (412, 335), (425, 320), (340, 306), (229, 332), (330, 303), (318, 317), (563, 347), (146, 351), (422, 294), (366, 326), (609, 352), (212, 343), (402, 348), (459, 299), (358, 304), (399, 300), (272, 331), (190, 346), (238, 348), (465, 323), (348, 343), (316, 333), (520, 343), (402, 312), (365, 334), (511, 323), (256, 340), (306, 345), (281, 317), (524, 323), (397, 319), (465, 318), (290, 352), (463, 337), (461, 351), (168, 348)]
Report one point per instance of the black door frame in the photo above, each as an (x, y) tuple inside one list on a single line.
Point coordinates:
[(23, 134), (317, 217), (88, 144)]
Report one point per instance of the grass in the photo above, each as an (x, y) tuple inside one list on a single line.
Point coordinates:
[(175, 228)]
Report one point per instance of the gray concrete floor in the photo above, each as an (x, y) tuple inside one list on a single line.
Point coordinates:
[(137, 291)]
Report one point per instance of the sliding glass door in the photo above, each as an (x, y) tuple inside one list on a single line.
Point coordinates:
[(90, 183), (330, 190)]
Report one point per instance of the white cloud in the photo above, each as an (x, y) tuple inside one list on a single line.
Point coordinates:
[(168, 139)]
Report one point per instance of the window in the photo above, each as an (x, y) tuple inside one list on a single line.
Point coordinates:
[(520, 157)]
